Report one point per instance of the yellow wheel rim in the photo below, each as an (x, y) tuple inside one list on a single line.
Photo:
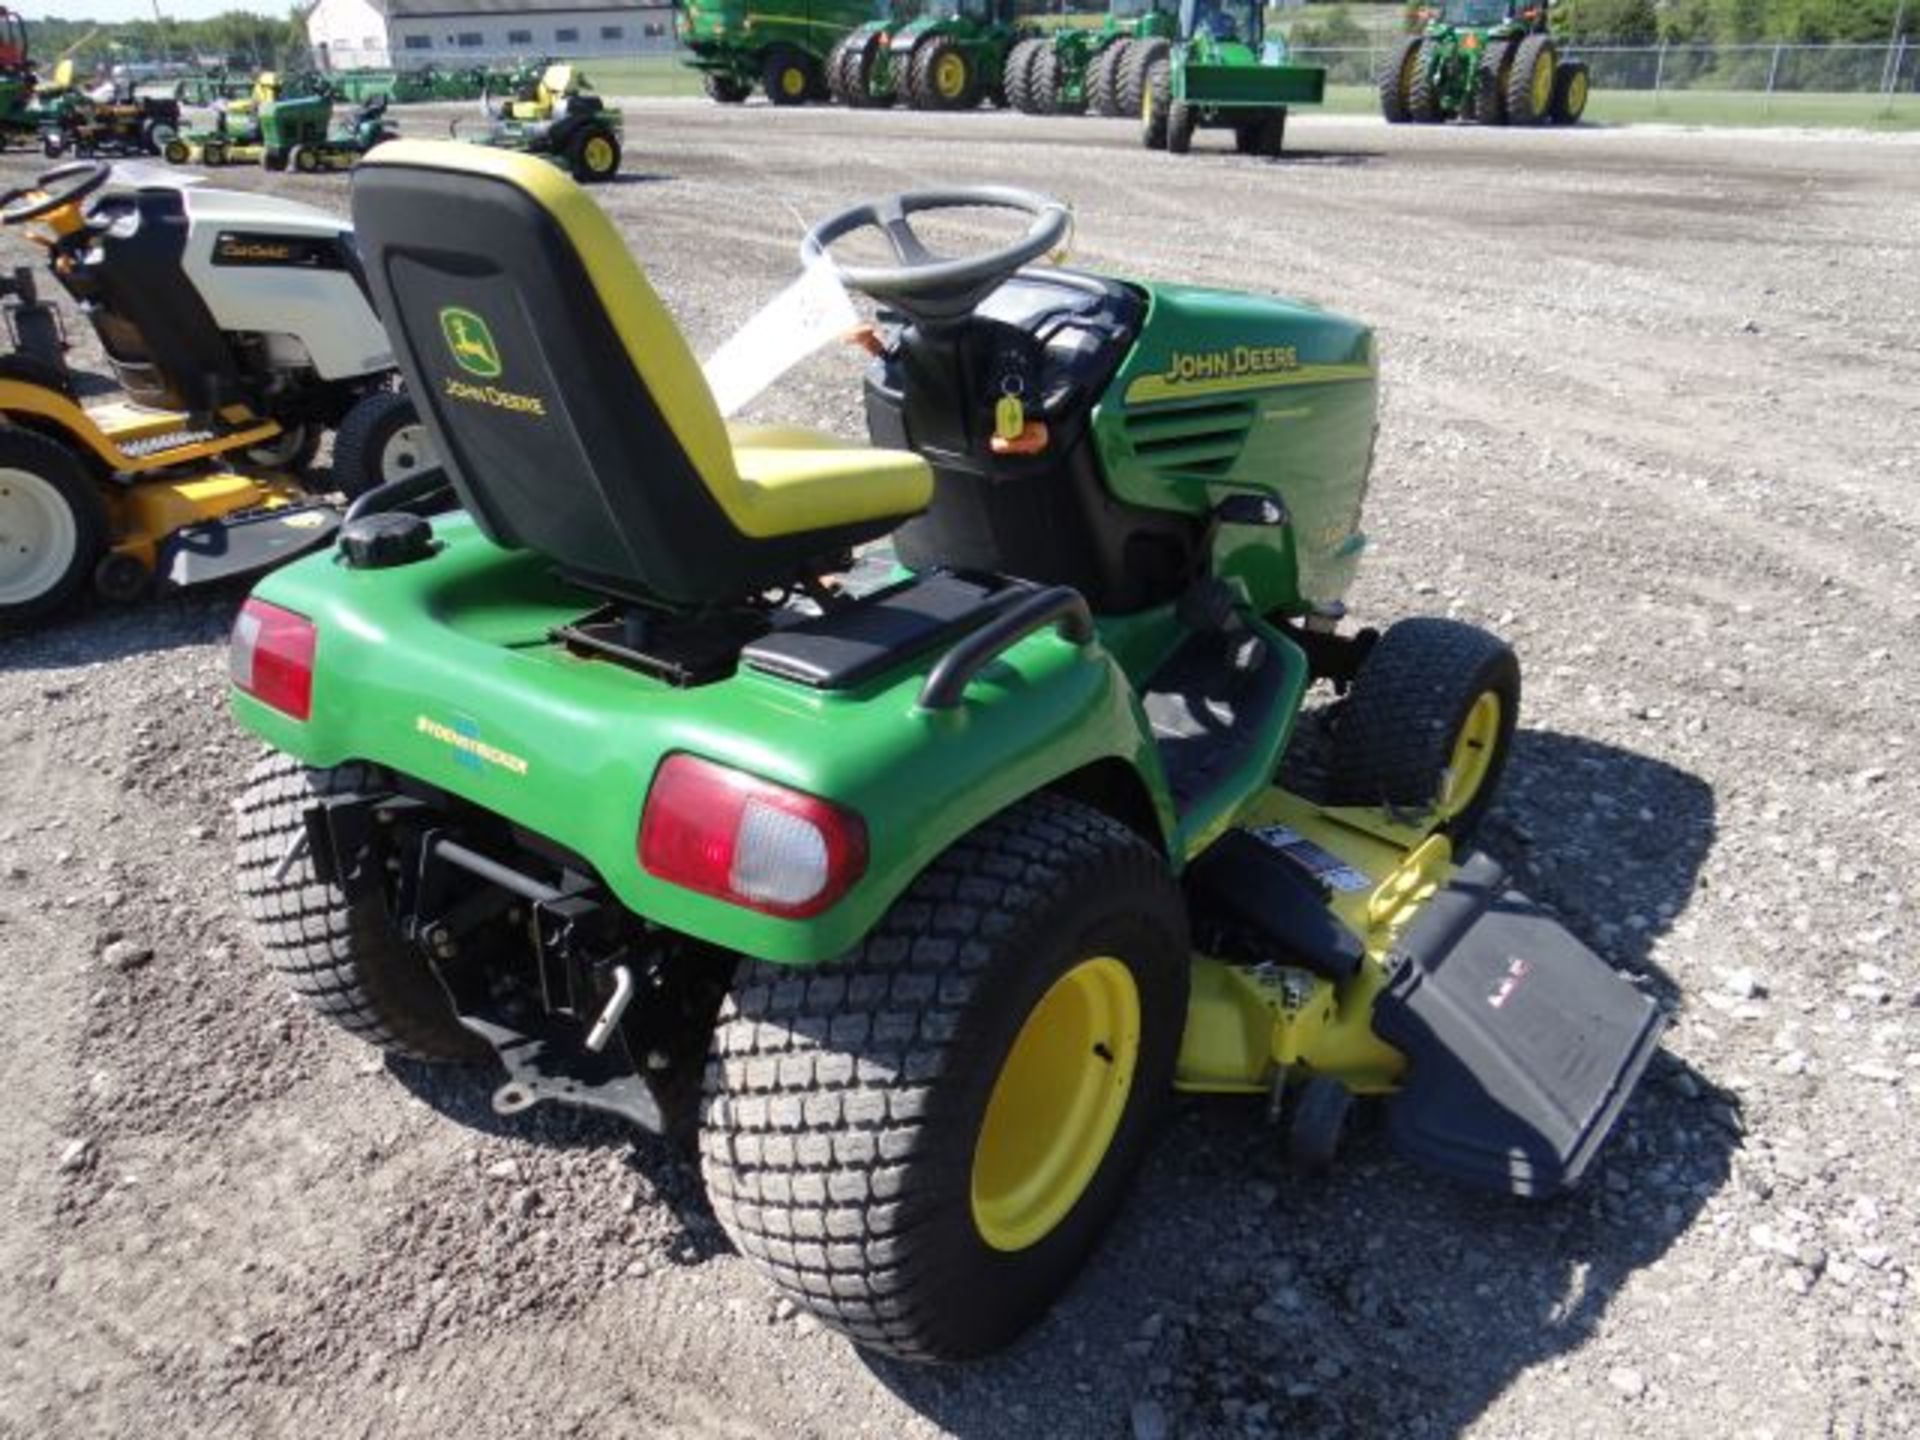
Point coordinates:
[(1577, 94), (1056, 1104), (1542, 84), (599, 155), (793, 80), (1407, 68), (1146, 106), (1472, 758), (950, 76)]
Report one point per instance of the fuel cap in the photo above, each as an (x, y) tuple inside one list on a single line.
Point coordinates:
[(378, 542)]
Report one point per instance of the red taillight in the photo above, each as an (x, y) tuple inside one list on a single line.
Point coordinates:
[(271, 657), (747, 840)]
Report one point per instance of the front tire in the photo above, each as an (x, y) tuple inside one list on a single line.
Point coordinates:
[(787, 78), (1155, 98), (920, 1143), (594, 156), (1570, 92), (723, 89), (1396, 81), (343, 958), (53, 526), (943, 77), (1429, 723)]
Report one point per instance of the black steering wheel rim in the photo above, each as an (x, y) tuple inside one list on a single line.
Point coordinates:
[(87, 176), (925, 285)]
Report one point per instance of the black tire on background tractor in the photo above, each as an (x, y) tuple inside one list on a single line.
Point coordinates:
[(270, 159), (1429, 723), (1530, 82), (288, 453), (1135, 67), (724, 88), (919, 1143), (381, 439), (862, 60), (178, 152), (593, 155), (1423, 101), (343, 958), (1396, 79), (1569, 92), (214, 152), (943, 77), (1181, 119), (1488, 105), (1103, 79), (1016, 74), (53, 525), (303, 159), (1155, 98), (787, 77), (1043, 80)]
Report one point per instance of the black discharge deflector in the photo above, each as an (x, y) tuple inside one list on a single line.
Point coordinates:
[(1522, 1044), (236, 546), (1252, 905)]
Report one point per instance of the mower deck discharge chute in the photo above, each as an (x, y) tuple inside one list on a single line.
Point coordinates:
[(238, 333), (913, 888)]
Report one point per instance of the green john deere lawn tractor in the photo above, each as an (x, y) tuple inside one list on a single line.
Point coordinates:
[(551, 111), (950, 56), (912, 888), (1070, 70), (300, 134), (783, 50), (1224, 72), (1487, 60), (234, 136)]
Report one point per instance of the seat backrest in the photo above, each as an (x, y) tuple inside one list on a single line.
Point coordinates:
[(571, 416)]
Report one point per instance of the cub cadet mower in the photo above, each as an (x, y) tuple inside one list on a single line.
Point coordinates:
[(299, 134), (917, 896), (1486, 60), (1223, 72), (554, 113), (132, 123), (950, 56), (1069, 70), (237, 329), (784, 50)]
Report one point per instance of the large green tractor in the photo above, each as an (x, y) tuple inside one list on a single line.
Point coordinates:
[(1487, 60), (1224, 72), (783, 49), (951, 55), (911, 887), (1070, 70)]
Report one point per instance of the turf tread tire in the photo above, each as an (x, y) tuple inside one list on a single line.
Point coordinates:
[(342, 958), (1395, 730), (842, 1104), (56, 466)]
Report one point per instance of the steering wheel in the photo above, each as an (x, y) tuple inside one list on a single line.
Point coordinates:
[(47, 194), (927, 286)]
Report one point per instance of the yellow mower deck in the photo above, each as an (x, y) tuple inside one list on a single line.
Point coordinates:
[(130, 439)]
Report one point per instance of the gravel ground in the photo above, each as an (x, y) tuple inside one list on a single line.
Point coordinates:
[(1652, 410)]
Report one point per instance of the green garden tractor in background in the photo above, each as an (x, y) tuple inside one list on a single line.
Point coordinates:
[(234, 137), (1223, 72), (1493, 61), (909, 887), (551, 111), (17, 81), (1071, 69), (300, 135), (783, 50), (949, 56)]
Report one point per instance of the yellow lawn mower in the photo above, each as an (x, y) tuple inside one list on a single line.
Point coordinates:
[(238, 330)]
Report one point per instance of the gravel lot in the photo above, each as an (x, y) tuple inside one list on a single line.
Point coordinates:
[(1653, 411)]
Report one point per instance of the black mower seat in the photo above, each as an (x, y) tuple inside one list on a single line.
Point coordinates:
[(570, 413)]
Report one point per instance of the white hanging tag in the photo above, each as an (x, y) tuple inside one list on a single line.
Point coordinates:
[(799, 320)]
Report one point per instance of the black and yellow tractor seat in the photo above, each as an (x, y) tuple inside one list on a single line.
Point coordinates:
[(570, 415)]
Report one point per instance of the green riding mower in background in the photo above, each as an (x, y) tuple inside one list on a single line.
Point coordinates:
[(234, 137), (1487, 60), (551, 111), (1223, 72), (299, 134), (910, 888), (1070, 70), (784, 50), (950, 56), (18, 81)]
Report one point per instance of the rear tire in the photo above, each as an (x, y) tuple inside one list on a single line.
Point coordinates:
[(342, 958), (942, 77), (1530, 81), (288, 453), (1396, 80), (1135, 68), (1014, 75), (1570, 92), (1180, 123), (1423, 101), (864, 1132), (53, 526), (1103, 80), (1043, 82), (1412, 731), (1154, 101), (787, 78), (724, 89)]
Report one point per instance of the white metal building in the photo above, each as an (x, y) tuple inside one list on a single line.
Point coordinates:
[(382, 34)]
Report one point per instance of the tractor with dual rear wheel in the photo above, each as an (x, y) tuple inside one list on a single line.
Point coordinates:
[(1070, 70), (1491, 61), (950, 55)]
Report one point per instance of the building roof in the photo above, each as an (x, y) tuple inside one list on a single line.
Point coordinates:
[(421, 9)]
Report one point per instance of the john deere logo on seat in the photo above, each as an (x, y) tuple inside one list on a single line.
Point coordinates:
[(470, 342)]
